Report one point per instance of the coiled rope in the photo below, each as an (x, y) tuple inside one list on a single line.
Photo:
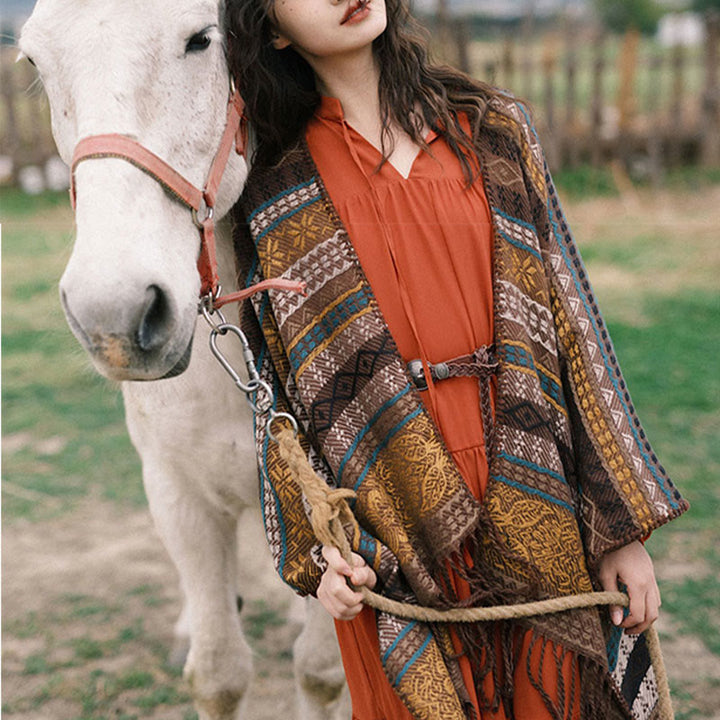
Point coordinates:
[(331, 514)]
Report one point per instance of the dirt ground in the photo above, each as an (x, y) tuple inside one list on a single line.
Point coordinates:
[(97, 552), (97, 558)]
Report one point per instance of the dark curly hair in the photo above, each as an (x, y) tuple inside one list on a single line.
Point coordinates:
[(278, 86)]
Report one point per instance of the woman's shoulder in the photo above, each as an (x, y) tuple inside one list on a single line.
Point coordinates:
[(509, 111), (270, 187), (513, 117)]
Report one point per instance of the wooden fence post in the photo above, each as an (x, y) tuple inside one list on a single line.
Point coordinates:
[(627, 107), (527, 64), (571, 134), (443, 34), (507, 63), (676, 106), (553, 143), (599, 65), (462, 43), (8, 92), (710, 130), (655, 130)]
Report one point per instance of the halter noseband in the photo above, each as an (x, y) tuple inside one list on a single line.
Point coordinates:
[(201, 202)]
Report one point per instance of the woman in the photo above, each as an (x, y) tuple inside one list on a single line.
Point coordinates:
[(448, 364)]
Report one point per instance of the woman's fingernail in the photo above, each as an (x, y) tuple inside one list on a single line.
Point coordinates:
[(616, 616)]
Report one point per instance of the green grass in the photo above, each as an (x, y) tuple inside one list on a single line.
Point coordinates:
[(259, 618), (49, 391), (588, 181), (65, 440)]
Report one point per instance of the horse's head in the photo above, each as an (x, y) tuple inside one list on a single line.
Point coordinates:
[(154, 71)]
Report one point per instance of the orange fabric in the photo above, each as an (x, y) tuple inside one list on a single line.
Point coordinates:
[(425, 244)]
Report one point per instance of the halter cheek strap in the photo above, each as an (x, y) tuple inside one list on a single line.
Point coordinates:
[(201, 202)]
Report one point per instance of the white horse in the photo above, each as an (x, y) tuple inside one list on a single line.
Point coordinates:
[(156, 71)]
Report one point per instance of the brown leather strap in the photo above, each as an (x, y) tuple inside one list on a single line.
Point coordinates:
[(481, 364)]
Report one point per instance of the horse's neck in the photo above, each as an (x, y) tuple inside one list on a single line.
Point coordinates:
[(226, 255)]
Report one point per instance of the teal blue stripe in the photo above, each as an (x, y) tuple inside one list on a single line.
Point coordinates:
[(383, 445), (263, 308), (534, 491), (612, 369), (284, 217), (528, 120), (400, 636), (364, 431), (515, 220), (412, 660), (253, 270), (277, 197), (520, 245), (532, 466)]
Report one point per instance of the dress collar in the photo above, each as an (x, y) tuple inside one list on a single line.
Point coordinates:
[(331, 109)]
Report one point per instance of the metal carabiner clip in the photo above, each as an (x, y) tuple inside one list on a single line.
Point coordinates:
[(255, 382)]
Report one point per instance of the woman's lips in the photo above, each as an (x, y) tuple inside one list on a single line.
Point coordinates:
[(354, 11)]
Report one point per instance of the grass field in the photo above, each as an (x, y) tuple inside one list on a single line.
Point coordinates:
[(87, 622)]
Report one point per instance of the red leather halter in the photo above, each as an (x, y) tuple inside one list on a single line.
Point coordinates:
[(201, 202)]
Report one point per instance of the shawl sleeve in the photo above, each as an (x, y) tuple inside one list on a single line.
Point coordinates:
[(294, 547), (624, 492)]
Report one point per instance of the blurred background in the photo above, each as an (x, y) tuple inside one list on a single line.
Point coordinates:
[(626, 95)]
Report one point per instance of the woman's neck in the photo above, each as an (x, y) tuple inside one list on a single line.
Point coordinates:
[(355, 83)]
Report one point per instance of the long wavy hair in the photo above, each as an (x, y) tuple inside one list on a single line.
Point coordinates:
[(278, 86)]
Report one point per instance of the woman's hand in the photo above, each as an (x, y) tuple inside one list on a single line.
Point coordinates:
[(336, 596), (632, 566)]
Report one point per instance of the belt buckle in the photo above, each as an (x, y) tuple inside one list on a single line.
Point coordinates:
[(417, 374)]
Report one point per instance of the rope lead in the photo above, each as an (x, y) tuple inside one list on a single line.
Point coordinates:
[(332, 519)]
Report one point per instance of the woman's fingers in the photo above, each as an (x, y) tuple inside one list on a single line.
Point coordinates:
[(636, 610), (337, 597), (608, 579), (632, 566), (336, 561), (645, 612)]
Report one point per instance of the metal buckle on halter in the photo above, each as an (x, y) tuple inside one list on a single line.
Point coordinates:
[(200, 216)]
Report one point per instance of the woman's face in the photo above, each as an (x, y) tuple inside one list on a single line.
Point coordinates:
[(328, 28)]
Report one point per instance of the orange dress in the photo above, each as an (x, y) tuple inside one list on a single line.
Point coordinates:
[(430, 269)]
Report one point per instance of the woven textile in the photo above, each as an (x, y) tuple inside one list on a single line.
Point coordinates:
[(571, 473)]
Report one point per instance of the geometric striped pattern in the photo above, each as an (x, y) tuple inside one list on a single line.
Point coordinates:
[(572, 475)]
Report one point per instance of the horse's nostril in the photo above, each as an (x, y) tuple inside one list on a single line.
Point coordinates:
[(154, 328)]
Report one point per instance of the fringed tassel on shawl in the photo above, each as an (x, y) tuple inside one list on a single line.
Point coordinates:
[(565, 705), (494, 650), (599, 699), (489, 647), (495, 574)]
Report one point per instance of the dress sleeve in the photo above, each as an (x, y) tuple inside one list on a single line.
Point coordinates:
[(624, 492)]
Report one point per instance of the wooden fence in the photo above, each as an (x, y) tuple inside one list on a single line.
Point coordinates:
[(25, 135), (595, 97), (598, 98)]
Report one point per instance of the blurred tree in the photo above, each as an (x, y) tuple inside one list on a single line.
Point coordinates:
[(622, 15)]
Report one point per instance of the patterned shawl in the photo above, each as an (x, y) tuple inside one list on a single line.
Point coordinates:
[(572, 475)]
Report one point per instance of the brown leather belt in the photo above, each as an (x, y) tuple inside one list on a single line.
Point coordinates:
[(482, 364)]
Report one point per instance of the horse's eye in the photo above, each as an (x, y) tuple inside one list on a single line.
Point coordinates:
[(198, 42)]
